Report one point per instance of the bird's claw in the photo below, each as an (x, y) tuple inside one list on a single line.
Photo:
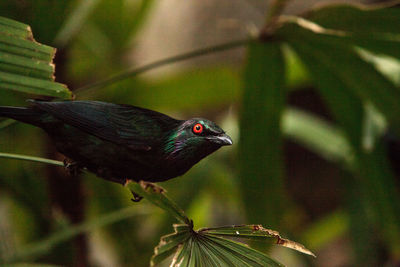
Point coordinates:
[(145, 186), (72, 167), (136, 197)]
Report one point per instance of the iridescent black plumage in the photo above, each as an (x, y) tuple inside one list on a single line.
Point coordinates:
[(119, 142)]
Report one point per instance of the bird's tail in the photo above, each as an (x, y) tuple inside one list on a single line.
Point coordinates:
[(27, 115)]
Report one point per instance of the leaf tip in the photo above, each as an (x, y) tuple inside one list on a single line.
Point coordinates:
[(294, 245)]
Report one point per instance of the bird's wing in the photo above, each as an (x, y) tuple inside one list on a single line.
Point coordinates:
[(137, 128)]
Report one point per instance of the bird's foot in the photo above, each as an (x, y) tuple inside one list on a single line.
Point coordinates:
[(72, 167), (145, 186), (136, 197), (156, 188)]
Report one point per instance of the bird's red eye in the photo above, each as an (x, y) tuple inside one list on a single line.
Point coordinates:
[(197, 128)]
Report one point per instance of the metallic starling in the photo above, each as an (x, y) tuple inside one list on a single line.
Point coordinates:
[(122, 142)]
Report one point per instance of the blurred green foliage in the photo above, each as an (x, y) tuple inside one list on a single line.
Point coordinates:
[(342, 52)]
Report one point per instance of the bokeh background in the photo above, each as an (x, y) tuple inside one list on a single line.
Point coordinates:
[(313, 200)]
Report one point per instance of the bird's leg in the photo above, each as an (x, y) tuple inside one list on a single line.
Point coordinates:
[(136, 197), (72, 167), (156, 188)]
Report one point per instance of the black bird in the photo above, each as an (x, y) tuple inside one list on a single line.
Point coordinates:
[(123, 142)]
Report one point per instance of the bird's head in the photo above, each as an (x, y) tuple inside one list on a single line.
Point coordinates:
[(194, 139)]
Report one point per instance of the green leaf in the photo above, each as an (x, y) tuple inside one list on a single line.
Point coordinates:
[(361, 221), (374, 127), (358, 18), (387, 65), (260, 147), (318, 135), (347, 84), (346, 106), (328, 141), (373, 28), (15, 28), (380, 185), (255, 232), (246, 255), (206, 247), (184, 255), (33, 85), (26, 65), (361, 78), (218, 256), (169, 244), (297, 75), (26, 48)]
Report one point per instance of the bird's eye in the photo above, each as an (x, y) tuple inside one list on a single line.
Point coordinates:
[(198, 128)]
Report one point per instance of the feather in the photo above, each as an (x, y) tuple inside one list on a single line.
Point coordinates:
[(135, 127)]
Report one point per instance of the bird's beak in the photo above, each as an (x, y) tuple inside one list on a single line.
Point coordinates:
[(223, 140)]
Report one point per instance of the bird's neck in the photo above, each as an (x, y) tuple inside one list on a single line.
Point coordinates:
[(182, 150)]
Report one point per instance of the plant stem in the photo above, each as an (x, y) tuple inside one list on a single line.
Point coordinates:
[(31, 158), (163, 62), (275, 9)]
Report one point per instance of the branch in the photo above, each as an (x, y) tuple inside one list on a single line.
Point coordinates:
[(163, 62), (276, 8)]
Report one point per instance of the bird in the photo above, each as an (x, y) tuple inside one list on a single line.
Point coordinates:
[(120, 142)]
